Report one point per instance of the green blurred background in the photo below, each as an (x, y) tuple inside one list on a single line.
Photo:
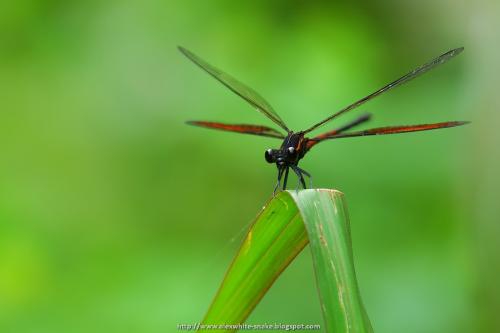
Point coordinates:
[(117, 217)]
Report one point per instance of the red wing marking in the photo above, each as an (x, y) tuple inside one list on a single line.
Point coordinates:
[(240, 128), (385, 130)]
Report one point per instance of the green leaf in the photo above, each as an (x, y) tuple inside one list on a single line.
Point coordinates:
[(324, 213), (282, 229)]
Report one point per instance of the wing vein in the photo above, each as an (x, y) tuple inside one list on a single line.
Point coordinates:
[(411, 75), (237, 87)]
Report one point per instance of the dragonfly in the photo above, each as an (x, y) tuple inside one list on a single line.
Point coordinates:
[(295, 145)]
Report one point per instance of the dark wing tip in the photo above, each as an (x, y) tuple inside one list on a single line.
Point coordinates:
[(184, 51), (190, 55), (455, 52), (366, 116), (458, 123), (192, 122)]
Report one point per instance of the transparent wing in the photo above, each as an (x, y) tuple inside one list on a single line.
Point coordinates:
[(240, 89), (358, 121), (240, 128), (411, 75)]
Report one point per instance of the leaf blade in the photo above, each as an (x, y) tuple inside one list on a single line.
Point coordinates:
[(325, 217), (273, 241), (282, 229)]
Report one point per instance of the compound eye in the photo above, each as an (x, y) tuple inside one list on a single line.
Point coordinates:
[(269, 156), (291, 150)]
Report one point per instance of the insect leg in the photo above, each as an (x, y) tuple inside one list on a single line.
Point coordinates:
[(286, 178), (280, 173), (301, 178), (308, 175)]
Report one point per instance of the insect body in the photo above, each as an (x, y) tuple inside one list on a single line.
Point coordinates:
[(295, 144), (292, 150)]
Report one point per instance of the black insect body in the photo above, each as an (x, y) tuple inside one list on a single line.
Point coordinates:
[(292, 150), (296, 145)]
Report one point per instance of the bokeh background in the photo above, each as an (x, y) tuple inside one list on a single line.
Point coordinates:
[(117, 217)]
